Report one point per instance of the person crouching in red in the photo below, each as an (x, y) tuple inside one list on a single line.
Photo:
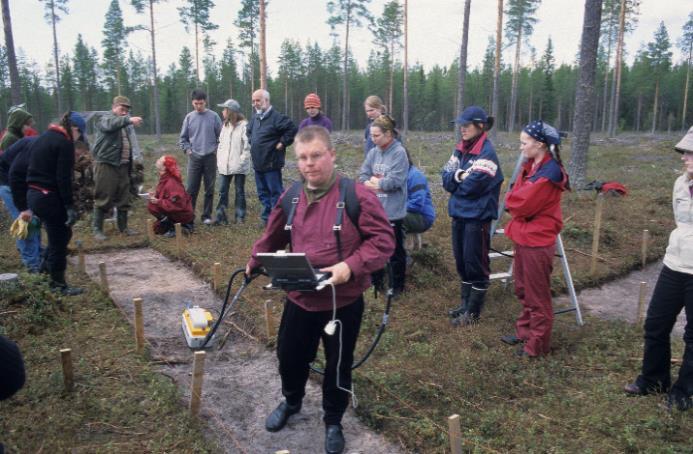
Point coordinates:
[(170, 204), (534, 202)]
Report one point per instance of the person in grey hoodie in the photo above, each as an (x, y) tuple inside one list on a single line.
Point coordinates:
[(199, 137), (384, 171)]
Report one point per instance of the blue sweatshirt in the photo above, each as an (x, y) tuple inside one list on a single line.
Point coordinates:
[(200, 132), (419, 196)]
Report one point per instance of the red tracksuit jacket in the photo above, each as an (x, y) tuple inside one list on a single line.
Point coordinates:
[(534, 203), (174, 202)]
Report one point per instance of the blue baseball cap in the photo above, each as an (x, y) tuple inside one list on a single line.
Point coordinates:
[(472, 114), (78, 121)]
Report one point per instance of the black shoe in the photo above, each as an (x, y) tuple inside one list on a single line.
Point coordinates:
[(459, 310), (278, 418), (633, 389), (170, 234), (681, 403), (334, 439), (511, 339)]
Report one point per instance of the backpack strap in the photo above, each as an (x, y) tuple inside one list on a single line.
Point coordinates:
[(290, 202)]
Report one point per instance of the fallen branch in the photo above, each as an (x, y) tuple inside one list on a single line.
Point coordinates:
[(601, 259), (242, 331)]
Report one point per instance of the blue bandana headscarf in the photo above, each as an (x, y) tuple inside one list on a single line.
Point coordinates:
[(543, 132)]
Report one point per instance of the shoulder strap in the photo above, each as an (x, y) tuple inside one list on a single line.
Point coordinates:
[(290, 202), (347, 186)]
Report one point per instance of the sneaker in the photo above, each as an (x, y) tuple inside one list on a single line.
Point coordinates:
[(511, 339), (99, 236), (207, 221), (170, 234)]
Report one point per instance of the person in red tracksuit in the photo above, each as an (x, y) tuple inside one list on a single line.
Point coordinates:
[(170, 203), (534, 202)]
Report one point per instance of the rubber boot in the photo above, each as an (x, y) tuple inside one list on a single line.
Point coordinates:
[(123, 223), (475, 306), (58, 284), (97, 225), (462, 308)]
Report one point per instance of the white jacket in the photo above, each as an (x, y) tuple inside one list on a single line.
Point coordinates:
[(679, 255), (233, 152)]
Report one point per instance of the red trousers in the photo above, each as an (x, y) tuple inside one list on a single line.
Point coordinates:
[(532, 270)]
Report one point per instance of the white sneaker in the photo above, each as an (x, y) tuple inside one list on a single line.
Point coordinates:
[(207, 221)]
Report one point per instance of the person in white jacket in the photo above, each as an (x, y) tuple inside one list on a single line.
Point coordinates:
[(233, 161), (673, 292)]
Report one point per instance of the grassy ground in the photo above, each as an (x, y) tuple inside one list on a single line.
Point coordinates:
[(424, 370), (119, 404)]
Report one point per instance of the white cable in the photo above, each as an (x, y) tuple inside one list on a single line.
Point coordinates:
[(330, 331)]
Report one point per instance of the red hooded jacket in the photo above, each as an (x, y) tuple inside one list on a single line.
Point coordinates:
[(534, 203), (174, 202)]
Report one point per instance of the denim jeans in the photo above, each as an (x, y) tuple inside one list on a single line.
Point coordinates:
[(239, 187), (269, 188), (30, 248), (673, 292), (200, 167)]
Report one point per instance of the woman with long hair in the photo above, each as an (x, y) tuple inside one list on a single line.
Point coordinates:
[(233, 161), (374, 107), (534, 202)]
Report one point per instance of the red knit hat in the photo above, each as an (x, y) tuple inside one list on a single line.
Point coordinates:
[(312, 100)]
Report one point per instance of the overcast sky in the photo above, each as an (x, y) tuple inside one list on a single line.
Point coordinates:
[(434, 28)]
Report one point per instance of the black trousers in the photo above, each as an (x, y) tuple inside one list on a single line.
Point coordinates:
[(49, 208), (673, 292), (470, 243), (297, 345)]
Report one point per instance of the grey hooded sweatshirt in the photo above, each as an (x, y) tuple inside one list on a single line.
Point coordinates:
[(393, 166)]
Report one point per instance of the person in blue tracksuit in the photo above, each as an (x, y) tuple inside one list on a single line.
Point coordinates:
[(420, 210), (473, 178)]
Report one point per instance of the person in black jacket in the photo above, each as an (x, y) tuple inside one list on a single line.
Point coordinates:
[(12, 375), (270, 133), (49, 179)]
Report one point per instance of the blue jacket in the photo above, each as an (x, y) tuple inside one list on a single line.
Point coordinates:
[(473, 179), (264, 133), (419, 196)]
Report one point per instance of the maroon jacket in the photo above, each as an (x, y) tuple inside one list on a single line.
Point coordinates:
[(365, 249), (174, 202)]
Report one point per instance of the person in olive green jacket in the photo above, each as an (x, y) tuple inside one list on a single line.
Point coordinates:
[(113, 153), (17, 123)]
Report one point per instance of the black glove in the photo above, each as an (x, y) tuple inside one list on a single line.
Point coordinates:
[(72, 216)]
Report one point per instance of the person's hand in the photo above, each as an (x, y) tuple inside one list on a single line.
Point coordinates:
[(137, 121), (153, 200), (341, 273), (72, 217), (280, 146), (375, 180), (188, 152), (372, 186), (26, 215)]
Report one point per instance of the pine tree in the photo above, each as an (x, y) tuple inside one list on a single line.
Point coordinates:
[(15, 84), (518, 28), (659, 60), (351, 14), (248, 23), (547, 66), (84, 64), (495, 110), (387, 31), (686, 46), (229, 70), (196, 14), (462, 76), (52, 9), (628, 12), (114, 47)]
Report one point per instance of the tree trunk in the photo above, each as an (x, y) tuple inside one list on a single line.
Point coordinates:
[(613, 118), (345, 83), (685, 90), (654, 109), (57, 61), (197, 54), (516, 76), (15, 85), (390, 94), (605, 91), (405, 87), (584, 92), (263, 48), (462, 77), (496, 68), (638, 114), (155, 75)]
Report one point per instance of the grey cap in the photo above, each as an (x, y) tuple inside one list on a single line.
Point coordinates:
[(685, 145), (232, 105)]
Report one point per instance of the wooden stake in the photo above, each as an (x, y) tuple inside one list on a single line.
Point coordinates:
[(268, 319), (216, 275), (283, 451), (150, 229), (139, 325), (641, 303), (645, 244), (179, 238), (104, 277), (455, 434), (81, 264), (196, 387), (68, 376), (595, 233)]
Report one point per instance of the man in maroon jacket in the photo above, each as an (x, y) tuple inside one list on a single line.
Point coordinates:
[(365, 248)]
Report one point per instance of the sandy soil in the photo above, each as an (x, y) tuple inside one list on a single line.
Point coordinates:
[(241, 383), (619, 299)]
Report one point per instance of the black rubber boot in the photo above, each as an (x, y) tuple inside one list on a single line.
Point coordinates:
[(58, 284), (278, 418), (475, 306), (462, 308), (97, 225), (334, 439), (123, 223)]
